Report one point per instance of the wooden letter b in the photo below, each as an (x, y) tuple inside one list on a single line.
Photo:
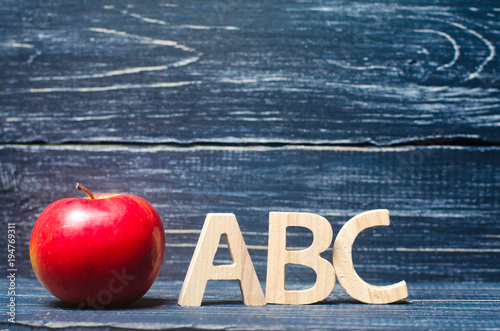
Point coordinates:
[(279, 256)]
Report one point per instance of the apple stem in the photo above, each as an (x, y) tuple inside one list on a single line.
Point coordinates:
[(84, 189)]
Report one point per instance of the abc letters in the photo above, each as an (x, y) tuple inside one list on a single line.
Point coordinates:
[(202, 269)]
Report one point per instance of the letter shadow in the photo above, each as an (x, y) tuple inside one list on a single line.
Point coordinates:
[(334, 301)]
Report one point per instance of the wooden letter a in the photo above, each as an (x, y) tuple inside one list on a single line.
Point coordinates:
[(202, 268)]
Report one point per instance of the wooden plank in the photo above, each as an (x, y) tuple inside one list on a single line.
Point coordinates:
[(431, 306), (443, 201), (249, 72)]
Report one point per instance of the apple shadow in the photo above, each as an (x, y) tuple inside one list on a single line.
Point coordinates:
[(142, 303)]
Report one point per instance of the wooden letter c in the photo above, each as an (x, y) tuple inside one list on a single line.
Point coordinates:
[(344, 268)]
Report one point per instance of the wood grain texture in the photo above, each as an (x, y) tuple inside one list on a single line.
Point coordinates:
[(444, 201), (249, 72), (431, 306)]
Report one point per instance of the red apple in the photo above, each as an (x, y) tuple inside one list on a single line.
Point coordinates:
[(101, 251)]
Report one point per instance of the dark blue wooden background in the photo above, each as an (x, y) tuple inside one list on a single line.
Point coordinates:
[(329, 107)]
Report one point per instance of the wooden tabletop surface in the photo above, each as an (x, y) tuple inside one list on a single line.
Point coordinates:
[(430, 306)]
